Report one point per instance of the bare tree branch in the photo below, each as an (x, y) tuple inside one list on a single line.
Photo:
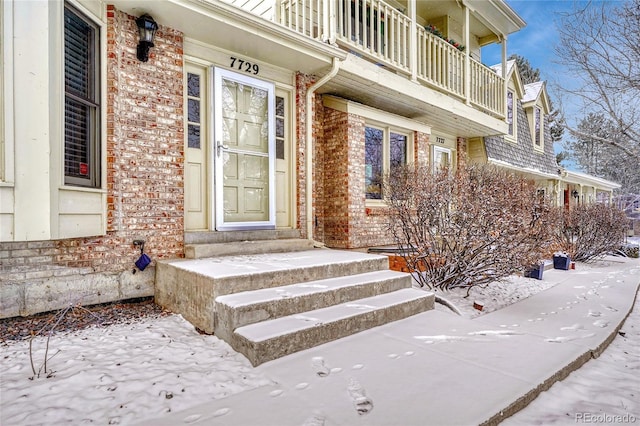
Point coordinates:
[(607, 141)]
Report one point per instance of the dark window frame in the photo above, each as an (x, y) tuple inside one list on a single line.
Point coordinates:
[(82, 95)]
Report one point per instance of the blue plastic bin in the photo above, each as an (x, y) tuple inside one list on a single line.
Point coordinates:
[(561, 262)]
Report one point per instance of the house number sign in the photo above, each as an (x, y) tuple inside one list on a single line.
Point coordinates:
[(245, 66), (440, 140)]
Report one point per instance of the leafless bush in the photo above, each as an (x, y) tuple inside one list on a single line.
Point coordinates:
[(589, 231), (48, 330), (474, 227)]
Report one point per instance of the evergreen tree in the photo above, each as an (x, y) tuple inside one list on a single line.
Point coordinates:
[(528, 75)]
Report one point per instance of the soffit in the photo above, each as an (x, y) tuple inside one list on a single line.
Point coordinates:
[(365, 83), (230, 28)]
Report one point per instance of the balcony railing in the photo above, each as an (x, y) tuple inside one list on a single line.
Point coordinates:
[(383, 34)]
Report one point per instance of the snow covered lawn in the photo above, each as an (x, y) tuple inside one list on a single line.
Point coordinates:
[(125, 373)]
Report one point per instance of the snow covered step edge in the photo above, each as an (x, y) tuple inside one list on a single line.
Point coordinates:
[(233, 248), (240, 309), (269, 340)]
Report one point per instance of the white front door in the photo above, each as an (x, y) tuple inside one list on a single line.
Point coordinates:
[(244, 152)]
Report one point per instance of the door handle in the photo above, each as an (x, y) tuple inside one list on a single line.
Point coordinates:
[(220, 147)]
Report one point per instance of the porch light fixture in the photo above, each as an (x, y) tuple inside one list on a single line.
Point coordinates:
[(575, 194), (147, 28)]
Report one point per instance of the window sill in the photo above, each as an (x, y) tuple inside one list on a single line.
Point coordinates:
[(511, 140), (82, 189)]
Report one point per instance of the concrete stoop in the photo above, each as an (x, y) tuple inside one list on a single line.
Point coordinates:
[(200, 245), (270, 305)]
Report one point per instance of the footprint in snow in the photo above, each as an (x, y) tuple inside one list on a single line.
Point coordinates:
[(275, 393), (316, 419), (357, 367), (363, 404), (301, 386), (601, 323), (221, 412), (319, 366), (594, 314), (192, 418), (573, 327), (563, 339)]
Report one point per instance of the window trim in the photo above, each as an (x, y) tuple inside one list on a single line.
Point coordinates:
[(96, 103), (386, 153), (513, 135), (538, 133), (441, 149), (7, 137)]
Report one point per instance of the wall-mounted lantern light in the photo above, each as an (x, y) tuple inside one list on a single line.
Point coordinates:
[(147, 28), (575, 194)]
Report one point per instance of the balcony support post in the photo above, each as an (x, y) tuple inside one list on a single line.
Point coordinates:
[(328, 21), (504, 75), (413, 41), (467, 62)]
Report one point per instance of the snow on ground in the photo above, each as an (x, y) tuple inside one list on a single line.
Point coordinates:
[(120, 374), (125, 373), (606, 390), (492, 297)]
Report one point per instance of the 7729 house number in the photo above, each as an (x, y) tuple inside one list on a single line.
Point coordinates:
[(245, 66)]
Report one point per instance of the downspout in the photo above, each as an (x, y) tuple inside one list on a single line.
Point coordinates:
[(309, 143)]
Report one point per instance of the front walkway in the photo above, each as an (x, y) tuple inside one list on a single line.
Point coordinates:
[(437, 368)]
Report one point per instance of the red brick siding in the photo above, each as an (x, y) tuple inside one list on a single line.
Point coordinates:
[(461, 146), (344, 217), (145, 161)]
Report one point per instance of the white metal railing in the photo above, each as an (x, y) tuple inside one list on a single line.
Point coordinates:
[(382, 33)]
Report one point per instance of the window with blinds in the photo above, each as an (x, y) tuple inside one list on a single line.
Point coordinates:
[(81, 101)]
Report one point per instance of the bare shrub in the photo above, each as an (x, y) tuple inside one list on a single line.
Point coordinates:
[(474, 227), (589, 231)]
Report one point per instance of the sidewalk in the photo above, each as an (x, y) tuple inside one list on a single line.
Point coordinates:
[(437, 368)]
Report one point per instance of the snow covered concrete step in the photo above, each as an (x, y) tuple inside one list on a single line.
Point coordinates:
[(269, 340), (190, 286), (240, 309), (232, 248), (210, 237)]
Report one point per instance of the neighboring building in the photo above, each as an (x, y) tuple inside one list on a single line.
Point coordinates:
[(274, 115), (527, 147)]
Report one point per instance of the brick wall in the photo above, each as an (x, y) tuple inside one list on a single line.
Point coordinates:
[(461, 147), (145, 148), (303, 82), (145, 186), (347, 221), (340, 130)]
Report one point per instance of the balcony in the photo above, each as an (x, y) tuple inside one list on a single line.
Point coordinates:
[(388, 37)]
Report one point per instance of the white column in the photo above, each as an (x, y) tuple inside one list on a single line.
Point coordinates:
[(413, 41), (31, 62), (467, 61), (504, 75)]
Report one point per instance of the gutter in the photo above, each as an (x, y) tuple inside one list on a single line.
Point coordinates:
[(510, 166), (309, 145)]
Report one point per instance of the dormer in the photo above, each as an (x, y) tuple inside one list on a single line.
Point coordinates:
[(515, 91), (536, 105)]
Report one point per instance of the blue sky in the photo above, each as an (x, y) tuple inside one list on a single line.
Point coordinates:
[(537, 42)]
